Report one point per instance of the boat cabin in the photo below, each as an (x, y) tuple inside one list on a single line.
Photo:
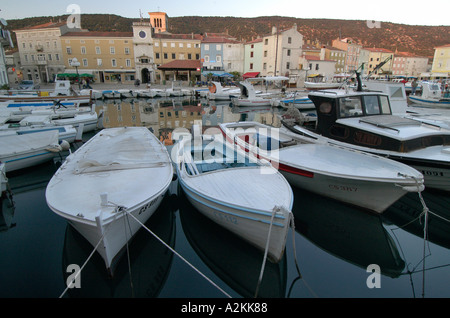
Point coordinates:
[(364, 118)]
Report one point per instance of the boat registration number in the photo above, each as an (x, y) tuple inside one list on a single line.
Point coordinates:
[(342, 188), (145, 207), (432, 173), (225, 217)]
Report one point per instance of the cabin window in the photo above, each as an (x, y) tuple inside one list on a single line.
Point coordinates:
[(350, 107), (385, 107), (325, 108), (371, 105), (339, 131)]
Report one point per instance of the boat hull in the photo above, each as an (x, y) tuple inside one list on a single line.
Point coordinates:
[(115, 234), (358, 193), (441, 103), (252, 226)]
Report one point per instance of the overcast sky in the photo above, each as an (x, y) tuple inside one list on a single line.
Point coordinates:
[(413, 12)]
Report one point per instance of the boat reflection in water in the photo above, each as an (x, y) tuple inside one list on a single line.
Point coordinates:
[(349, 233), (232, 259), (150, 261), (407, 215)]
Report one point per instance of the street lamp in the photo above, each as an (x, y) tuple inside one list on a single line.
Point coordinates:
[(76, 64)]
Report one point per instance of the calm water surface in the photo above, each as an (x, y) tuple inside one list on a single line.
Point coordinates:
[(332, 243)]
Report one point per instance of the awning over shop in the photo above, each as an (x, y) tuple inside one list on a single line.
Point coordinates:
[(250, 75), (181, 65)]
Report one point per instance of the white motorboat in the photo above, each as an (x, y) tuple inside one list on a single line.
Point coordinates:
[(111, 94), (161, 92), (299, 102), (127, 93), (321, 85), (95, 94), (23, 151), (33, 124), (432, 95), (353, 177), (119, 171), (363, 120), (245, 196), (249, 97), (146, 93), (57, 101), (218, 92)]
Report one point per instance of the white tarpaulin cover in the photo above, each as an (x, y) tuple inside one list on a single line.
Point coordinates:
[(120, 149), (14, 144)]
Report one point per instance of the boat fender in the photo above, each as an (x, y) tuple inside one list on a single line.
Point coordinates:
[(54, 148), (64, 145)]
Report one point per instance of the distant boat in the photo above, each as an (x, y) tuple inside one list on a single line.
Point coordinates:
[(249, 198), (95, 94), (23, 151), (249, 97), (431, 96), (111, 94), (127, 93), (119, 171), (298, 101), (353, 177), (321, 85), (218, 92)]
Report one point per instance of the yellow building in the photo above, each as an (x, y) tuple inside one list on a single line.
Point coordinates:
[(441, 61), (108, 56), (378, 56)]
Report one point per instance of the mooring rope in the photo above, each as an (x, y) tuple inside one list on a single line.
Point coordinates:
[(87, 260), (181, 257), (266, 250)]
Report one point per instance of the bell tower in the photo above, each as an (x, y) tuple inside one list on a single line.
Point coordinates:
[(159, 21)]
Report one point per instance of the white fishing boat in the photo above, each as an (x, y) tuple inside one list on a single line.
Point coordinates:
[(95, 94), (119, 171), (432, 96), (146, 93), (33, 124), (111, 94), (127, 93), (298, 101), (23, 151), (321, 85), (245, 196), (363, 120), (350, 176), (218, 92), (249, 97)]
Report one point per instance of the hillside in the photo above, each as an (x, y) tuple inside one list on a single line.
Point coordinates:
[(419, 40)]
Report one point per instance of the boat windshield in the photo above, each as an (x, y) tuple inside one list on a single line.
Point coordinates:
[(351, 106)]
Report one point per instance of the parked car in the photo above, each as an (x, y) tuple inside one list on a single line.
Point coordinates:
[(28, 85)]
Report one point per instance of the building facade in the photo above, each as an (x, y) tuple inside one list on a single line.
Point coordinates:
[(253, 51), (352, 49), (41, 52), (108, 56), (143, 52), (441, 61), (281, 52), (378, 56)]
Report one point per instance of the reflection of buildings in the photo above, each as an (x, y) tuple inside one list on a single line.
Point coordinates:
[(176, 118), (121, 115)]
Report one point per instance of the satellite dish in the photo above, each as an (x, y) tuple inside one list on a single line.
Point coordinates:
[(3, 21)]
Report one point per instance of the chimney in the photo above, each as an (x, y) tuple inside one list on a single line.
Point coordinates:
[(274, 30)]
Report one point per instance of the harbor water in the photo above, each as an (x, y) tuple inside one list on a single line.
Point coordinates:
[(334, 251)]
